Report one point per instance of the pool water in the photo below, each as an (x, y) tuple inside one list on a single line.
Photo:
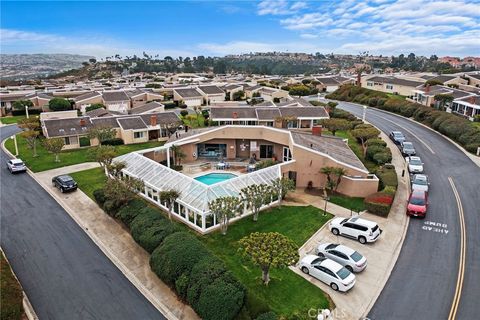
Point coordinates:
[(212, 178)]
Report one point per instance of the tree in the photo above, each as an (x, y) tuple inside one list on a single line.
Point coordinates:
[(282, 186), (94, 106), (299, 90), (30, 133), (363, 134), (92, 60), (269, 250), (102, 133), (169, 197), (54, 145), (178, 154), (103, 155), (238, 95), (443, 100), (331, 106), (256, 195), (330, 183), (335, 124), (225, 208), (21, 104), (59, 104), (122, 192), (339, 173)]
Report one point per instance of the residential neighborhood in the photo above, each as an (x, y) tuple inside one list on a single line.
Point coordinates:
[(273, 160)]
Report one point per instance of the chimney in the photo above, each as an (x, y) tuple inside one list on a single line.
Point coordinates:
[(427, 88), (234, 115), (153, 120), (83, 123), (317, 130)]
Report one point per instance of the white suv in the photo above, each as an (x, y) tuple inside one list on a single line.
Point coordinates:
[(356, 228)]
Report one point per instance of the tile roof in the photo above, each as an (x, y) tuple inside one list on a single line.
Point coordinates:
[(131, 123), (163, 118), (100, 112), (335, 147), (304, 112), (397, 81), (66, 127), (188, 92), (86, 96), (105, 122), (211, 90), (146, 107), (267, 113), (115, 96), (233, 113)]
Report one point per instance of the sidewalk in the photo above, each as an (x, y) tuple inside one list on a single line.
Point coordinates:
[(381, 255), (116, 243)]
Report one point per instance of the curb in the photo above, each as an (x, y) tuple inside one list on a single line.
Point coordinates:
[(120, 266), (27, 306)]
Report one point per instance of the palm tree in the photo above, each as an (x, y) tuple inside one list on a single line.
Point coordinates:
[(169, 197), (338, 172), (328, 171)]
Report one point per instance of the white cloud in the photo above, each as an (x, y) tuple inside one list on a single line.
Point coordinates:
[(298, 6), (273, 7), (308, 36), (238, 47)]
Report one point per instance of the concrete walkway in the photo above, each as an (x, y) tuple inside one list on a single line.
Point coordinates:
[(381, 255), (117, 244)]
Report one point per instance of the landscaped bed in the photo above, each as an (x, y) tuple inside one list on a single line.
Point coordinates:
[(10, 293), (287, 294), (45, 160)]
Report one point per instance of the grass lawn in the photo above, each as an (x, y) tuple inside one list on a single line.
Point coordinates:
[(11, 119), (45, 160), (396, 96), (356, 148), (353, 203), (90, 180), (197, 122), (287, 294), (10, 293)]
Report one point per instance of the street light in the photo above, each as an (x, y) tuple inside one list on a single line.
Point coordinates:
[(326, 198), (318, 96), (26, 112), (14, 137), (364, 112)]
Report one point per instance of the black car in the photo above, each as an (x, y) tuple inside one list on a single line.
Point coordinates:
[(397, 137), (64, 183)]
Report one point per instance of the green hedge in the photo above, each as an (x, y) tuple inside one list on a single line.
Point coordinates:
[(99, 196), (379, 209), (387, 177), (130, 211), (113, 142)]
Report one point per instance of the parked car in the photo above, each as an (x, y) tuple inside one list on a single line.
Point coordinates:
[(347, 257), (415, 164), (356, 228), (397, 137), (407, 149), (64, 183), (328, 271), (420, 182), (16, 165), (417, 204)]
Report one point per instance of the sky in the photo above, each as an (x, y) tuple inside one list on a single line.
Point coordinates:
[(218, 28)]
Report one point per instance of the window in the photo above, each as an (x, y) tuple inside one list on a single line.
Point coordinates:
[(389, 87), (287, 155), (369, 84), (138, 135), (266, 151), (67, 141)]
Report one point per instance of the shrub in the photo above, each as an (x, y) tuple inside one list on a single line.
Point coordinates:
[(472, 147), (99, 196), (387, 177), (376, 141), (181, 286), (177, 255), (267, 316), (382, 157), (84, 142), (130, 211), (380, 197), (380, 209), (22, 112), (374, 149), (154, 235), (111, 207), (389, 190), (113, 142), (146, 218), (219, 293), (183, 113)]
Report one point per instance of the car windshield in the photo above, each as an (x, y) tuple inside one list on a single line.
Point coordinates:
[(316, 262), (356, 256), (408, 146), (398, 135), (417, 201), (20, 164), (420, 181), (416, 162), (66, 179), (343, 273)]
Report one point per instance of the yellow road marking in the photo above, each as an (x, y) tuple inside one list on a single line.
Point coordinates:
[(463, 249)]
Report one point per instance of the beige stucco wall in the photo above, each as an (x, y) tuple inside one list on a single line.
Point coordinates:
[(127, 136)]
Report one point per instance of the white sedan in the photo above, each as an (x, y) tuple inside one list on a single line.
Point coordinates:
[(420, 182), (328, 271), (415, 164), (347, 257)]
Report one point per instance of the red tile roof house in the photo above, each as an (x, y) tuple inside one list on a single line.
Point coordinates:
[(130, 128)]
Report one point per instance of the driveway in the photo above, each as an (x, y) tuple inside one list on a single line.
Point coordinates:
[(423, 284), (64, 274)]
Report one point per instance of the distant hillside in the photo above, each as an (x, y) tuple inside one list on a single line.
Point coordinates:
[(27, 66)]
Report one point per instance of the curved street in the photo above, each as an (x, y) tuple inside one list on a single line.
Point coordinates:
[(64, 274), (423, 283)]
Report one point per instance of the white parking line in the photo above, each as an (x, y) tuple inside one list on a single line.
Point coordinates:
[(409, 131)]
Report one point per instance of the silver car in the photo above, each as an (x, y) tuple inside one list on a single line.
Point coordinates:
[(16, 165), (347, 257), (420, 182)]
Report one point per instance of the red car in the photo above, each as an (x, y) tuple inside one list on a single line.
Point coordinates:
[(417, 203)]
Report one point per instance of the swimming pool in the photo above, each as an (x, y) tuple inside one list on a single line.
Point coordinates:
[(212, 178)]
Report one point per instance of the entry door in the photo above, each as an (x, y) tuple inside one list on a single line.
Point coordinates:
[(266, 151)]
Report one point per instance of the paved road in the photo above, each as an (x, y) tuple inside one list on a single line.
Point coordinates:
[(423, 282), (65, 275)]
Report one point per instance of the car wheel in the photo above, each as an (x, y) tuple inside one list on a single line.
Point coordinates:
[(349, 268), (334, 286), (321, 255), (62, 190), (362, 240), (305, 270), (335, 231)]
